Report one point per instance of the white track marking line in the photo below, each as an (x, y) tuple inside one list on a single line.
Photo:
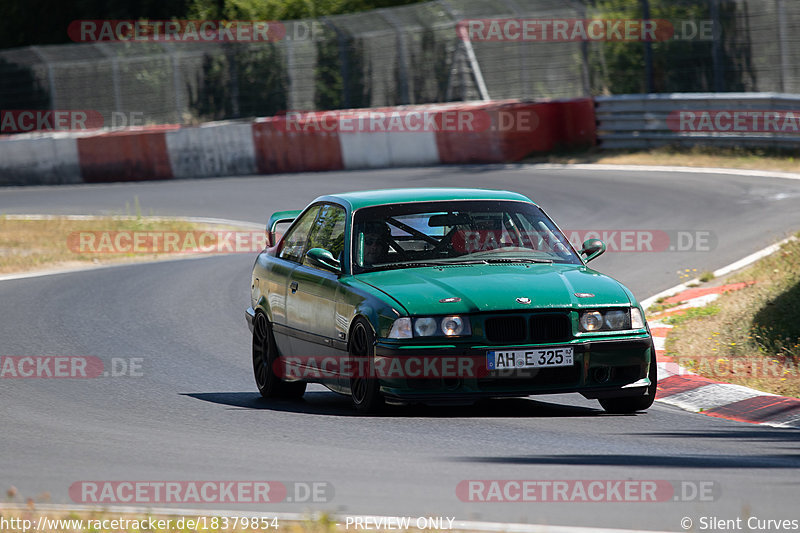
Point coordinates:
[(666, 168)]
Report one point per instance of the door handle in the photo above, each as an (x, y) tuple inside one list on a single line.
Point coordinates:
[(293, 286)]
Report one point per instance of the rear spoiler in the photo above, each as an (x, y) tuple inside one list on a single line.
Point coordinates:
[(277, 218)]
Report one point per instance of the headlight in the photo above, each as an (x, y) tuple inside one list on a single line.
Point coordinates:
[(591, 321), (617, 319), (425, 327), (611, 320), (401, 329), (428, 326), (452, 325), (637, 320)]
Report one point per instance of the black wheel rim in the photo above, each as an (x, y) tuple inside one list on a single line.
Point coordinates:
[(261, 349), (359, 349)]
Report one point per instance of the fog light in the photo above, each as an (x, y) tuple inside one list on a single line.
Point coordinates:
[(602, 374)]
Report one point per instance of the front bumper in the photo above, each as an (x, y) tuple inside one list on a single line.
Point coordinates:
[(602, 367), (250, 315)]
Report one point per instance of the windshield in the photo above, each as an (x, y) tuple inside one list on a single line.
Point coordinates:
[(457, 232)]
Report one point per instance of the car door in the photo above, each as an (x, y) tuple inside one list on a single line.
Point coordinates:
[(292, 248), (311, 300)]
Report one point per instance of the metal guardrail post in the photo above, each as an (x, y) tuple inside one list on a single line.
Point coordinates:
[(466, 45), (402, 57), (114, 76), (343, 61), (50, 76), (716, 47), (174, 59), (648, 51), (476, 68), (582, 12), (780, 8), (291, 98)]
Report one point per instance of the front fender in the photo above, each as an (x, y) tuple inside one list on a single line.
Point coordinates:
[(360, 299)]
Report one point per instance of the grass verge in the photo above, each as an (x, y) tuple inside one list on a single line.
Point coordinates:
[(696, 156), (56, 242), (749, 337)]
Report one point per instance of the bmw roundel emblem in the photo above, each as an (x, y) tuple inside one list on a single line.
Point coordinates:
[(523, 300)]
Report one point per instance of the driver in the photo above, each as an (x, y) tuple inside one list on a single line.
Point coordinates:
[(376, 242)]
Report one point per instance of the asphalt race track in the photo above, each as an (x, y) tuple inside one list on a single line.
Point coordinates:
[(194, 413)]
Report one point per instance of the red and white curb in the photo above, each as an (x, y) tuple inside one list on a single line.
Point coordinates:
[(689, 391)]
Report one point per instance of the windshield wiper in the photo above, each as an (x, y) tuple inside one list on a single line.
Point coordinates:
[(520, 260), (409, 264), (418, 264)]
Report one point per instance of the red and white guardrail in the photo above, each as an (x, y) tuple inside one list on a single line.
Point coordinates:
[(472, 132)]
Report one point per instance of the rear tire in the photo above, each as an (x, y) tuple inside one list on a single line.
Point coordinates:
[(365, 388), (632, 404), (265, 354)]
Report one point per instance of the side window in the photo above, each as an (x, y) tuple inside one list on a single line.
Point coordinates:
[(328, 231), (294, 243)]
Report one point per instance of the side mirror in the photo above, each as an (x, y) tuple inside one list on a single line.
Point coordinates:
[(278, 218), (319, 258), (593, 248)]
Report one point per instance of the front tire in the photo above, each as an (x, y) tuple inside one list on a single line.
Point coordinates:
[(364, 385), (265, 354), (636, 403)]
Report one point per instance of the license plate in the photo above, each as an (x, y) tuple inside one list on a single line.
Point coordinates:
[(530, 358)]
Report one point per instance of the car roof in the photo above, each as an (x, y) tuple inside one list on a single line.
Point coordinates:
[(357, 200)]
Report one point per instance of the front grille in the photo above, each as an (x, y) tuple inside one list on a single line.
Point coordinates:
[(537, 328), (506, 329), (550, 328)]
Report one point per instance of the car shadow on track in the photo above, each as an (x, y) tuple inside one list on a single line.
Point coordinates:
[(332, 404), (789, 461)]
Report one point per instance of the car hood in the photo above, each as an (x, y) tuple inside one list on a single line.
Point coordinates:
[(483, 288)]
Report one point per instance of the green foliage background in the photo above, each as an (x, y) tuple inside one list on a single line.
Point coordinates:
[(28, 22)]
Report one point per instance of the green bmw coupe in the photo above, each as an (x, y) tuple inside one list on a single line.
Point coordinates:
[(441, 296)]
